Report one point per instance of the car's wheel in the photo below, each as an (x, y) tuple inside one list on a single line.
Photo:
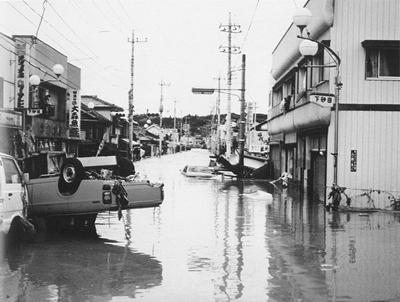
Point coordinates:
[(125, 167), (72, 173)]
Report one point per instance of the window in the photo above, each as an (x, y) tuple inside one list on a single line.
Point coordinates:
[(277, 96), (318, 72), (382, 59), (11, 171)]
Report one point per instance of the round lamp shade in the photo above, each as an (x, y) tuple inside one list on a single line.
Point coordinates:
[(34, 80), (308, 48), (90, 105), (302, 17), (58, 69)]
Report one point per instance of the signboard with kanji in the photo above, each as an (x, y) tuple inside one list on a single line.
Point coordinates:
[(324, 100)]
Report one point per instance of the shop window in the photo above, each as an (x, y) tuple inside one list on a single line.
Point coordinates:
[(382, 59)]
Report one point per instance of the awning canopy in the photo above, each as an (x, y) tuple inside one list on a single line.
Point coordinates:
[(304, 117)]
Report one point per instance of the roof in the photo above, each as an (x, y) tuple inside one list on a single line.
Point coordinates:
[(99, 103), (92, 115)]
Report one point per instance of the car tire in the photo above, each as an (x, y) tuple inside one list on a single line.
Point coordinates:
[(125, 167), (72, 173)]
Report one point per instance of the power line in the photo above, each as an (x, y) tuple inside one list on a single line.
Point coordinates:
[(83, 42), (123, 24)]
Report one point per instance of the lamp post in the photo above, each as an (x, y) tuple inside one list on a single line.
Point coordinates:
[(242, 109), (309, 48)]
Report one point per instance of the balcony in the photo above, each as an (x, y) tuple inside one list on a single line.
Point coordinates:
[(303, 113)]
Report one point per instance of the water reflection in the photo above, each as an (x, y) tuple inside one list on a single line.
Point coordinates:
[(76, 268), (213, 240)]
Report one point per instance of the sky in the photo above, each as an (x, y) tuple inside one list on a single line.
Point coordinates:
[(177, 46)]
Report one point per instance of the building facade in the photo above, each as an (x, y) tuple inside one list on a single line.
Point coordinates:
[(301, 120), (40, 116), (10, 120), (107, 125)]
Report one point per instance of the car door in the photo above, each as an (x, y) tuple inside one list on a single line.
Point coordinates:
[(13, 192)]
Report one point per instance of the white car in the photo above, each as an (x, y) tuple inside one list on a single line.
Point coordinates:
[(13, 195), (197, 171)]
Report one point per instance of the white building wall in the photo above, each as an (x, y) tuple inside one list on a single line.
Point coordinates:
[(374, 134), (7, 63)]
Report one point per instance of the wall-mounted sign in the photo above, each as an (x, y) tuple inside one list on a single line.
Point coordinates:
[(33, 111), (10, 119), (74, 125), (325, 100), (21, 90), (353, 161)]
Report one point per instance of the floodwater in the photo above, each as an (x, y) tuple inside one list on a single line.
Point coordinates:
[(213, 240)]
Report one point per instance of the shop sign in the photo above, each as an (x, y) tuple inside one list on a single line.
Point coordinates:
[(74, 123), (34, 111), (21, 90), (10, 119), (324, 100), (255, 148), (353, 161)]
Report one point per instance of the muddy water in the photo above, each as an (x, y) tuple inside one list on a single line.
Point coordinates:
[(213, 240)]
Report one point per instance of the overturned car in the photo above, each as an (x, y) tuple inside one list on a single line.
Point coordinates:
[(80, 188)]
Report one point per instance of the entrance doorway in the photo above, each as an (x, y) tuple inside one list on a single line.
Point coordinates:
[(318, 176)]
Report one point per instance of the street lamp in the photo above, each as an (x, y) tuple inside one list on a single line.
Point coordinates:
[(35, 80), (309, 47)]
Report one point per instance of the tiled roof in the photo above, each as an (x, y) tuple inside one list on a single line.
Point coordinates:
[(99, 103)]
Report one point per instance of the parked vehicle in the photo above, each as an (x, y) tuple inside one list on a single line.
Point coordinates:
[(80, 188), (13, 197)]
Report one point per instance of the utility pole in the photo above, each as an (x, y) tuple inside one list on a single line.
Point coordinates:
[(130, 108), (242, 137), (162, 84), (230, 29), (218, 118), (176, 136)]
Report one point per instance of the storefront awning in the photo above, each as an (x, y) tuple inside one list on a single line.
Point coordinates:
[(308, 116)]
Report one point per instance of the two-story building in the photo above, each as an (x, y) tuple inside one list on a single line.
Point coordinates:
[(40, 98), (108, 128), (322, 132)]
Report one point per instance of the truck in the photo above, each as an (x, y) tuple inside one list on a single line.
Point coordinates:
[(68, 191)]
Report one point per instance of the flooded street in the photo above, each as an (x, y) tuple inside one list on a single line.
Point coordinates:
[(213, 240)]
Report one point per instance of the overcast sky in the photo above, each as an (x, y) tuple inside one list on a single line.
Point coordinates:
[(182, 49)]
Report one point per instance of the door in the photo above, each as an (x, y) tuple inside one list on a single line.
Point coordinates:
[(12, 191), (318, 176)]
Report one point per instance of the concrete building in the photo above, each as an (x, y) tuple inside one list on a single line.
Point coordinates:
[(43, 115), (301, 120), (10, 120)]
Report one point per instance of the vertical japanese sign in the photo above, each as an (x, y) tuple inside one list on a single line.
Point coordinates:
[(353, 161), (250, 113), (21, 91), (74, 123)]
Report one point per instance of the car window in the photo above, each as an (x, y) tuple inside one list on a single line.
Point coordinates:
[(11, 171)]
